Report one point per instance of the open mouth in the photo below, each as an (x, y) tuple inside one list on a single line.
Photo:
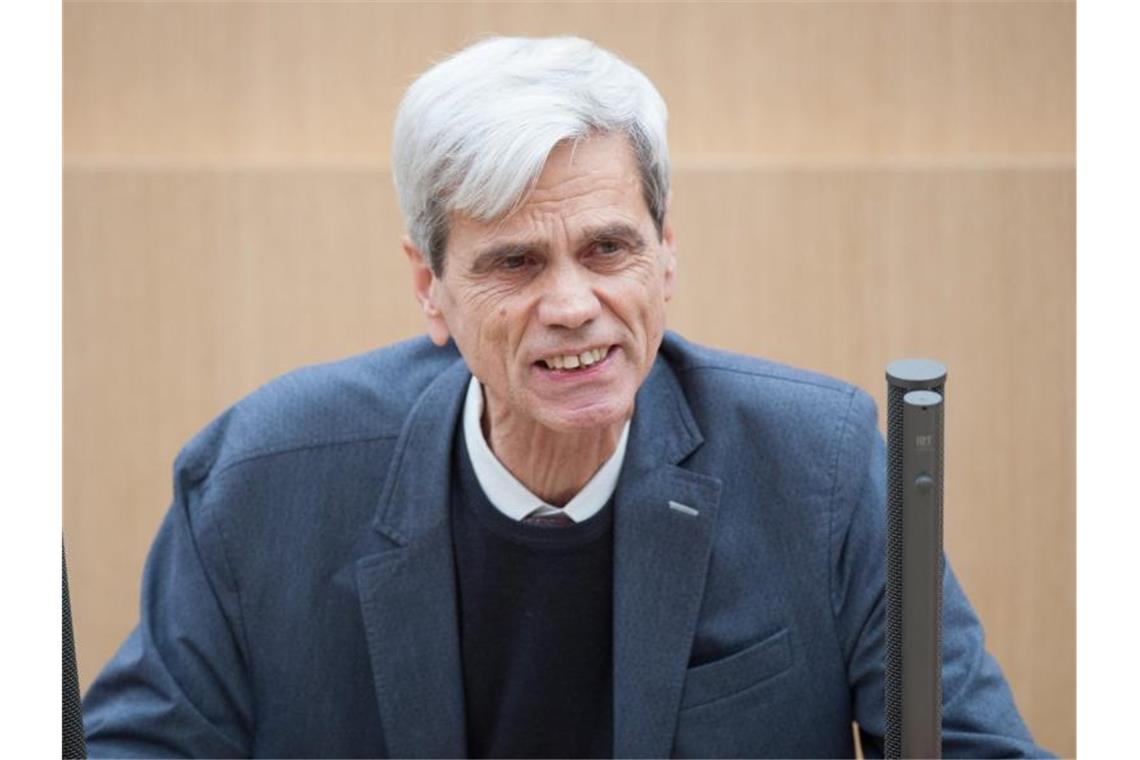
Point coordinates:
[(576, 362)]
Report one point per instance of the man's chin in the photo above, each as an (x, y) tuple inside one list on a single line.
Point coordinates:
[(585, 418)]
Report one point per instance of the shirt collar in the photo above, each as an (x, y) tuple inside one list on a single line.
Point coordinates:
[(511, 497)]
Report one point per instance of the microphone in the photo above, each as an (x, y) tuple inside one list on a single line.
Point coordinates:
[(913, 682), (74, 742)]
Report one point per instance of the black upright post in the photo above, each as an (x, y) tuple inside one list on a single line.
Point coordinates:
[(74, 743), (913, 686)]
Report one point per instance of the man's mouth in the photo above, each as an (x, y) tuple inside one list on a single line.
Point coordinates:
[(578, 361)]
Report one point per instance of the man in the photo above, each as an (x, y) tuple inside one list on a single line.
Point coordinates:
[(554, 529)]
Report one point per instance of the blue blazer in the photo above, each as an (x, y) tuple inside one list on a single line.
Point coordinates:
[(300, 598)]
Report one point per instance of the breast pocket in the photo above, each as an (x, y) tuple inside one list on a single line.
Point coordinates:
[(733, 674)]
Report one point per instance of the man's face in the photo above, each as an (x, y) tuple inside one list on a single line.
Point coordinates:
[(559, 309)]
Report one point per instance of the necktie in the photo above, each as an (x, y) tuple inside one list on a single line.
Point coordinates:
[(558, 520)]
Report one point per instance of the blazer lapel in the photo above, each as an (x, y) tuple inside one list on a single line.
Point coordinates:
[(408, 593), (663, 527)]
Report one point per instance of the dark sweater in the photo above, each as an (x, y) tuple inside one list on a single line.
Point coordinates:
[(535, 628)]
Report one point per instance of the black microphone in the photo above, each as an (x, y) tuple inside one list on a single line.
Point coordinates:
[(913, 683), (74, 742)]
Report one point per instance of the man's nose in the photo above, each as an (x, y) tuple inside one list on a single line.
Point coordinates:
[(568, 299)]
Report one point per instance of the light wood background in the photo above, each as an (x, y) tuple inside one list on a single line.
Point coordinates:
[(854, 183)]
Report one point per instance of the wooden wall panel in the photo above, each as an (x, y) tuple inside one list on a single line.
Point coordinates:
[(855, 182), (320, 81)]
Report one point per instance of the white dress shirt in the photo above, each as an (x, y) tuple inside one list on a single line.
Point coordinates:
[(511, 497)]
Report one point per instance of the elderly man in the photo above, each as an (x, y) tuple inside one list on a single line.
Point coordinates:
[(554, 529)]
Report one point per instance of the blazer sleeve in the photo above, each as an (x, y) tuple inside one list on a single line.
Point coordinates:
[(979, 717), (178, 686)]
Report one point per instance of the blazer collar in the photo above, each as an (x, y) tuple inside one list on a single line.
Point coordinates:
[(415, 496), (663, 526), (414, 500)]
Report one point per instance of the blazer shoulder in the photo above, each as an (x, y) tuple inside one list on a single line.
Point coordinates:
[(359, 398), (781, 411), (704, 368)]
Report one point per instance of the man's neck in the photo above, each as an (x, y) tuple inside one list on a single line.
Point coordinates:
[(553, 466)]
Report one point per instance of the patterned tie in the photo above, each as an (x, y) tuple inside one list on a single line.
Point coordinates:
[(559, 520)]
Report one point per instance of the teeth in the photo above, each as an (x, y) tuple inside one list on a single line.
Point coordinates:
[(573, 361), (592, 356)]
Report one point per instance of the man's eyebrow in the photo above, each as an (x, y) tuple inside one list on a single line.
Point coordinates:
[(619, 230), (487, 259)]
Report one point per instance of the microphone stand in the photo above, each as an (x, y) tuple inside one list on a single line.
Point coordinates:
[(913, 684)]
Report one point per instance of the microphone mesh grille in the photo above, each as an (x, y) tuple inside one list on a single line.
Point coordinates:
[(74, 742), (892, 697)]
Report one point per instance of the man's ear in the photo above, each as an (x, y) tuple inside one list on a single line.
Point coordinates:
[(424, 287), (669, 244)]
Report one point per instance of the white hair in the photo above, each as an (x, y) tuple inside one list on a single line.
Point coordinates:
[(473, 132)]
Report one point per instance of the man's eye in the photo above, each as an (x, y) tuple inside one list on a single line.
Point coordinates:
[(513, 262), (608, 247)]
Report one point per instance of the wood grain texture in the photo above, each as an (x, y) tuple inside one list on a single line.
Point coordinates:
[(296, 82), (854, 182)]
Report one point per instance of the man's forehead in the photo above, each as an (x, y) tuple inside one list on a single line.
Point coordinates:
[(586, 185), (602, 157), (537, 223)]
